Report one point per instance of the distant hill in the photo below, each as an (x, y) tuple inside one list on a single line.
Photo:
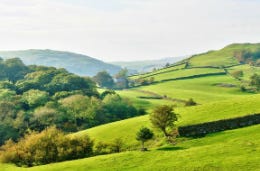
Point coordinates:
[(147, 65), (73, 62)]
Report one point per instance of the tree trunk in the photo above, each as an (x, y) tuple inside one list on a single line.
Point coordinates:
[(165, 132)]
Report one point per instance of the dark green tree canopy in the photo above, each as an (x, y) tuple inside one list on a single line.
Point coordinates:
[(104, 79), (143, 135)]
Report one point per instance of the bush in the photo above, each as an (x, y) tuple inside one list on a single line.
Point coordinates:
[(115, 146), (190, 102), (143, 135), (51, 145)]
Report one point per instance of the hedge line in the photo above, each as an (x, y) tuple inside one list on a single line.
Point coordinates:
[(202, 129)]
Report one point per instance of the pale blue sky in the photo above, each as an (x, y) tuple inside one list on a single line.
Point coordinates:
[(128, 29)]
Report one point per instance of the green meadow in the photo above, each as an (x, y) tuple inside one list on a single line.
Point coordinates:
[(229, 150), (218, 97)]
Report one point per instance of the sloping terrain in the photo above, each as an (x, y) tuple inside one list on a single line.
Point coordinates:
[(229, 150), (75, 63), (208, 79), (223, 57)]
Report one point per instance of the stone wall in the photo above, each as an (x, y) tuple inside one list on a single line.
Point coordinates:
[(202, 129)]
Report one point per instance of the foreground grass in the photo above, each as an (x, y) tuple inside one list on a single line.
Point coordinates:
[(229, 150)]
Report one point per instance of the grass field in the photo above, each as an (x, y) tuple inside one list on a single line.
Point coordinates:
[(157, 72), (218, 97), (126, 129), (223, 57), (202, 90), (184, 73), (248, 71), (148, 104), (232, 150)]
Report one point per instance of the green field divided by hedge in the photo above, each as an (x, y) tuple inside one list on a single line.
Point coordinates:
[(229, 150)]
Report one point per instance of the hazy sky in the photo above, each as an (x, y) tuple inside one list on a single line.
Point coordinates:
[(128, 29)]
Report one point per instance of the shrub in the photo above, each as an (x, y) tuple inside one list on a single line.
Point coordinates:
[(115, 146), (51, 145), (143, 135), (190, 102)]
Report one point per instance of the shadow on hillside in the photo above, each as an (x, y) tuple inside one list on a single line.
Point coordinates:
[(171, 148)]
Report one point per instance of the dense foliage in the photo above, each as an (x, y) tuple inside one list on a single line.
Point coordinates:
[(51, 145), (247, 56), (36, 97)]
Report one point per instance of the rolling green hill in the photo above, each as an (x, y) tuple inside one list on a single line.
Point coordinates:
[(73, 62), (229, 150), (189, 115), (208, 79), (222, 57)]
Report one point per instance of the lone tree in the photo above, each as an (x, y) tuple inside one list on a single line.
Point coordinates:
[(143, 135), (163, 118)]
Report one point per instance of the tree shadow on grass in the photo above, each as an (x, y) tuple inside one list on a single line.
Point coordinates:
[(171, 148)]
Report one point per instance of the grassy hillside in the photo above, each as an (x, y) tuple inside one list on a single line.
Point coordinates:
[(75, 63), (229, 150), (247, 71), (202, 90), (182, 73), (223, 57), (218, 96), (189, 115)]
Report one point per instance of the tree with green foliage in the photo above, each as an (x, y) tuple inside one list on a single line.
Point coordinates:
[(36, 98), (15, 69), (121, 79), (255, 81), (104, 79), (163, 118), (143, 135)]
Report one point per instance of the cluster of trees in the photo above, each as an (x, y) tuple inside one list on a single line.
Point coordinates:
[(142, 81), (37, 97), (51, 145), (105, 80), (249, 57)]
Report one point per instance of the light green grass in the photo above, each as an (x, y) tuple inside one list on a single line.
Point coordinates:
[(149, 104), (219, 110), (248, 71), (126, 129), (233, 150), (223, 57), (202, 90), (160, 71), (185, 73)]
